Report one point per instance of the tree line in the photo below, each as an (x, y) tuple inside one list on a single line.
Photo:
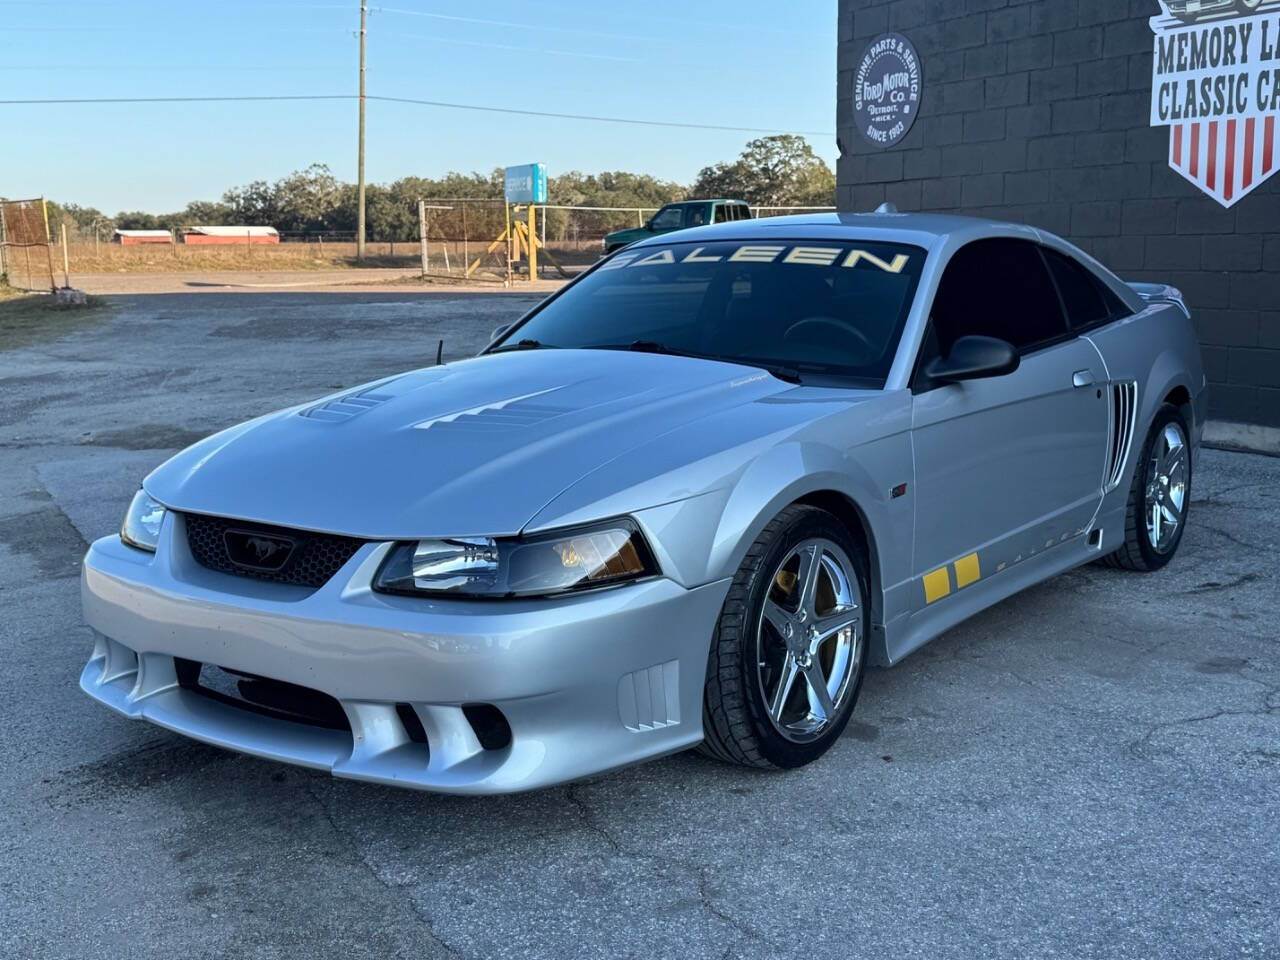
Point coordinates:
[(771, 171)]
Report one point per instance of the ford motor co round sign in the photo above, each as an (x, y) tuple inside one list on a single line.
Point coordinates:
[(886, 90)]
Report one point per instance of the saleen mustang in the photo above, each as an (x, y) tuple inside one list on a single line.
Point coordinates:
[(688, 499)]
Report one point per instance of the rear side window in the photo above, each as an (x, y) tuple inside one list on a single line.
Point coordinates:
[(697, 216), (724, 212), (1087, 300), (997, 288)]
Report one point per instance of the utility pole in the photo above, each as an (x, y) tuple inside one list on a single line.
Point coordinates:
[(364, 13)]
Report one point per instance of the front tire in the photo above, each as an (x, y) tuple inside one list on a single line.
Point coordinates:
[(1159, 497), (789, 651)]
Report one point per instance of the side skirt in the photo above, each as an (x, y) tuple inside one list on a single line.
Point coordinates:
[(910, 632)]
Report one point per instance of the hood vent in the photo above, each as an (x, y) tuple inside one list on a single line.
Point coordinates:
[(513, 413), (344, 408)]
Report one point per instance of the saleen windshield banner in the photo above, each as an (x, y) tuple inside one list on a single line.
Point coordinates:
[(1216, 85)]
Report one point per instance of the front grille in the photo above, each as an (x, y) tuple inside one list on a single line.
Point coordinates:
[(314, 560)]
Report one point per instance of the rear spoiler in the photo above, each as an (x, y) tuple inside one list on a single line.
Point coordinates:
[(1161, 293)]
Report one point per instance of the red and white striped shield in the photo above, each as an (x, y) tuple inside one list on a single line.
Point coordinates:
[(1225, 158), (1216, 86)]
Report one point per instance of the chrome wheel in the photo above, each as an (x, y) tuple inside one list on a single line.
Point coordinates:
[(1166, 492), (808, 639)]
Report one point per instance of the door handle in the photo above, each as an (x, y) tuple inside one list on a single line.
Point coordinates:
[(1082, 378)]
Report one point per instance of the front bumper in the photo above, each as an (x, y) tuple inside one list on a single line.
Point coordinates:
[(586, 683)]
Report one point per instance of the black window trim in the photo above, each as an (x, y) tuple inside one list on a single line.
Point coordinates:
[(1111, 317), (922, 384)]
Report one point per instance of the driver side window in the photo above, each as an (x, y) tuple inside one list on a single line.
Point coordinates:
[(668, 218), (996, 288)]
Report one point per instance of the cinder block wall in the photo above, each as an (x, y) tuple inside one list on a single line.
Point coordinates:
[(1037, 111)]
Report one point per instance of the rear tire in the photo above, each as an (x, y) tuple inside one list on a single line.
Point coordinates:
[(762, 706), (1145, 549)]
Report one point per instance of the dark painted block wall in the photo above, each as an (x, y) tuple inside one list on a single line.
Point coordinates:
[(1037, 111)]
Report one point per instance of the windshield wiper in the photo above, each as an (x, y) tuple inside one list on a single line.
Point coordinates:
[(642, 346), (787, 374), (782, 372), (521, 345)]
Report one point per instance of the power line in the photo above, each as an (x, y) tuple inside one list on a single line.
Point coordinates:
[(596, 119), (239, 99), (444, 104), (399, 11), (511, 46), (181, 100)]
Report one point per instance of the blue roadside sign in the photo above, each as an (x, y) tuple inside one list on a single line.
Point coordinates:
[(526, 183)]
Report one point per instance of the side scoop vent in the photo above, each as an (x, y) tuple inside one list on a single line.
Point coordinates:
[(650, 699), (1124, 412)]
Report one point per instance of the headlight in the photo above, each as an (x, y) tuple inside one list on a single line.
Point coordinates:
[(578, 559), (141, 527)]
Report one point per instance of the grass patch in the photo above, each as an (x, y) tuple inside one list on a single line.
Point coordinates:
[(36, 318), (162, 258), (105, 258)]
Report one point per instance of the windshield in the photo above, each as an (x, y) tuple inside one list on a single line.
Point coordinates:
[(815, 307)]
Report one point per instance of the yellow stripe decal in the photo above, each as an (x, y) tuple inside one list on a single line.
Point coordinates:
[(967, 571), (937, 585)]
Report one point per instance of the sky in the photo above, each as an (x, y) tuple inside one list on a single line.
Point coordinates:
[(741, 63)]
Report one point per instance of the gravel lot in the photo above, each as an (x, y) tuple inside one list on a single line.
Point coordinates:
[(1091, 769)]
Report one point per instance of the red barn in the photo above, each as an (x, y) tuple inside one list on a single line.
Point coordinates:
[(196, 236), (130, 238)]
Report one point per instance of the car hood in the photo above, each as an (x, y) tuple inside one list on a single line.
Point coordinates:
[(473, 448), (630, 235)]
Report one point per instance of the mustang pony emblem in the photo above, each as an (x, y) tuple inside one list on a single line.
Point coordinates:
[(258, 551)]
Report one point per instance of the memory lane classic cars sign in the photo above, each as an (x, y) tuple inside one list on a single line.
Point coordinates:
[(886, 90), (1216, 85)]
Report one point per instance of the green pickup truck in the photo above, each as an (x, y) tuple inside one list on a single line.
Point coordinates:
[(679, 216)]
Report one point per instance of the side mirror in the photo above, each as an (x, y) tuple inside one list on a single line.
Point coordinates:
[(648, 225), (974, 358), (499, 332)]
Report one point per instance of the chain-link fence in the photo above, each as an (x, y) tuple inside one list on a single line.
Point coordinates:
[(466, 237), (473, 237), (26, 260)]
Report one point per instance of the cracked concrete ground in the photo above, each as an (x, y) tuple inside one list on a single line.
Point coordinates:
[(1090, 769)]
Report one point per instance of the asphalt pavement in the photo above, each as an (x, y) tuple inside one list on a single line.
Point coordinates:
[(1090, 769)]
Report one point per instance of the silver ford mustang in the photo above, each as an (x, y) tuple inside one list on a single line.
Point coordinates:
[(686, 500)]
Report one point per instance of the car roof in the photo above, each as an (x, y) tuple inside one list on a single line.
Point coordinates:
[(686, 203), (918, 229)]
